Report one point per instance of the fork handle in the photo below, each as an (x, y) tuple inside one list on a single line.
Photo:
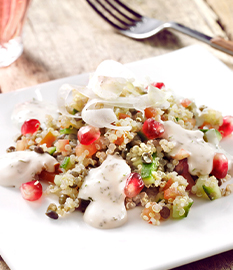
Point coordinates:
[(215, 42), (218, 41)]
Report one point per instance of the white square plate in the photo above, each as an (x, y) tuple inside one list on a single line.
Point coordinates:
[(30, 240)]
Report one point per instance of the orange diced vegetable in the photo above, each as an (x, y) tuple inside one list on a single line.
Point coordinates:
[(171, 193), (185, 102), (168, 184), (91, 148), (123, 115), (150, 112), (119, 140), (48, 139)]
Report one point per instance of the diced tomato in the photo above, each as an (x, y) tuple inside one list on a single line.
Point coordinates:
[(31, 191), (148, 212), (220, 166), (134, 185), (48, 139), (30, 126), (150, 112), (181, 154), (227, 126), (61, 144), (91, 148), (123, 115), (119, 140), (168, 184), (171, 193), (206, 125), (192, 121), (183, 169), (47, 176), (22, 144), (152, 129), (185, 102), (88, 134)]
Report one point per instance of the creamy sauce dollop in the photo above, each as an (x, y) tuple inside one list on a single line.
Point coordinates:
[(21, 166), (33, 109), (201, 153), (104, 186)]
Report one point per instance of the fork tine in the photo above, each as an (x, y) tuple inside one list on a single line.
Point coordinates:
[(121, 13), (103, 16), (112, 14), (125, 25), (137, 15)]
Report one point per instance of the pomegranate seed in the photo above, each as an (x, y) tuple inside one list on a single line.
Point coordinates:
[(134, 185), (220, 166), (30, 126), (152, 129), (227, 126), (159, 85), (88, 134), (31, 191)]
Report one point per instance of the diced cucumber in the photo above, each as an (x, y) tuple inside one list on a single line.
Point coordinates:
[(199, 186), (207, 187), (176, 212), (212, 192), (66, 163), (159, 197), (70, 130), (212, 136), (147, 169), (51, 150)]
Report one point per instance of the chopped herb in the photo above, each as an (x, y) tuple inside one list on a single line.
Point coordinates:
[(70, 130), (66, 163), (74, 111)]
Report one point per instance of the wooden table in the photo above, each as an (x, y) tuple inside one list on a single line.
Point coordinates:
[(65, 38)]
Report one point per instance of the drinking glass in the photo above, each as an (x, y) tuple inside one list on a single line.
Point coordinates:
[(12, 17)]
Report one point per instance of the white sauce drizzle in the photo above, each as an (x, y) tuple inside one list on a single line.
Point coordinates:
[(21, 166), (104, 186), (33, 109), (201, 153)]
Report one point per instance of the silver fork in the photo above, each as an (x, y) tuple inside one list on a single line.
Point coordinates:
[(132, 24)]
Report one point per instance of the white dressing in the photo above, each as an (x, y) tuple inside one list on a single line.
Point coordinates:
[(33, 109), (201, 153), (104, 187), (21, 166)]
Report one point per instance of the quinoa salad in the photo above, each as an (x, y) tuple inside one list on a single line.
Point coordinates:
[(116, 144)]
